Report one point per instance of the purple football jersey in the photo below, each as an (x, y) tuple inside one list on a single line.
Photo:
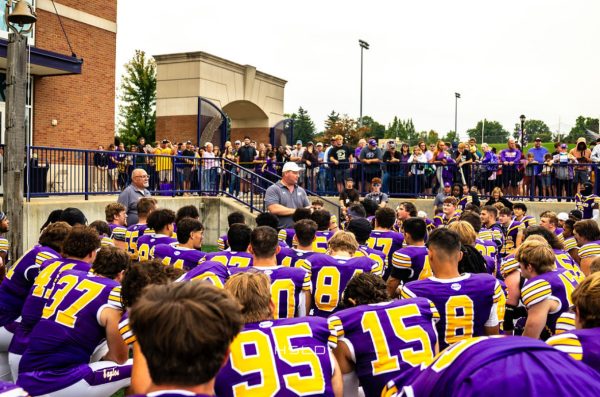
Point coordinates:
[(292, 257), (147, 242), (288, 285), (510, 233), (411, 263), (377, 256), (586, 204), (493, 233), (222, 243), (379, 334), (557, 285), (329, 276), (214, 272), (288, 357), (18, 281), (581, 344), (37, 297), (169, 393), (117, 232), (527, 221), (321, 242), (566, 262), (63, 341), (488, 248), (10, 390), (134, 232), (467, 304), (443, 221), (387, 242), (177, 256), (499, 367), (287, 236), (230, 258)]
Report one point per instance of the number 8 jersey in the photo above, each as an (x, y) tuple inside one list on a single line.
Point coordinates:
[(467, 304), (387, 339), (288, 357)]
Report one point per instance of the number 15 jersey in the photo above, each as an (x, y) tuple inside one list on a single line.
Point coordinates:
[(466, 304)]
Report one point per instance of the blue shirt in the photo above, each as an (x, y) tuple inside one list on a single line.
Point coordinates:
[(538, 155)]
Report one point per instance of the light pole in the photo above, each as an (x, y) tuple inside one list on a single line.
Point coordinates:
[(456, 97), (19, 20), (523, 140), (363, 46)]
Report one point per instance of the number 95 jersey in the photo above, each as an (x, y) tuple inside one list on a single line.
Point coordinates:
[(387, 339), (288, 357)]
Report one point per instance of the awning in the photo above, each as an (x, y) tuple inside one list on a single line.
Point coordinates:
[(46, 63)]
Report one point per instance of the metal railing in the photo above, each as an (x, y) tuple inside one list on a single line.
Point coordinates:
[(59, 171)]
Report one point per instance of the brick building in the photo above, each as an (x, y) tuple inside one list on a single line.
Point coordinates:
[(72, 95)]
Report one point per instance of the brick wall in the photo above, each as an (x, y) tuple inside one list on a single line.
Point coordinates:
[(257, 134), (177, 128), (84, 104)]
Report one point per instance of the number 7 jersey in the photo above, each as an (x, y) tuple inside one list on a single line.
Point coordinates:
[(467, 304)]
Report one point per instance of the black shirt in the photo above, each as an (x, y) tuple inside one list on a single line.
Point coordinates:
[(246, 154), (349, 196), (387, 156), (341, 154)]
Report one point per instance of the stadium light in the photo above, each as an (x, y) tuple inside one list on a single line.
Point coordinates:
[(363, 46)]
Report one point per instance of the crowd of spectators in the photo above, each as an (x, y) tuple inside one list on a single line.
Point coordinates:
[(326, 167)]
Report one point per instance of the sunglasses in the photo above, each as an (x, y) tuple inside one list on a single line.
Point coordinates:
[(377, 184)]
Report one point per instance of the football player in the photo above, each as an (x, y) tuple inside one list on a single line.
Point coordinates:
[(287, 235), (116, 217), (383, 238), (82, 310), (510, 230), (325, 229), (361, 228), (185, 253), (234, 217), (491, 229), (587, 235), (485, 247), (238, 238), (467, 303), (184, 331), (372, 335), (145, 206), (276, 357), (587, 202), (305, 233), (547, 292), (161, 221), (549, 221), (449, 213)]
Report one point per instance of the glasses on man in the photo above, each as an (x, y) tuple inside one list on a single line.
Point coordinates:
[(377, 184)]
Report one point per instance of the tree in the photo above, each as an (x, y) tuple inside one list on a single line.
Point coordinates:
[(404, 130), (494, 132), (332, 118), (375, 129), (451, 136), (304, 128), (432, 137), (137, 112), (346, 127), (534, 129), (582, 124)]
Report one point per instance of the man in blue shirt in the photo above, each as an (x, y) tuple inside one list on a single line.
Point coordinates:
[(538, 152)]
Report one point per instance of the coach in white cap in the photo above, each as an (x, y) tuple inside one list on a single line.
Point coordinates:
[(285, 196)]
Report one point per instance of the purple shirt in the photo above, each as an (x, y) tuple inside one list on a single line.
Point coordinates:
[(230, 258), (291, 257), (580, 344), (410, 263), (369, 331), (178, 257), (511, 155), (387, 242), (147, 242), (214, 272), (133, 234), (268, 349)]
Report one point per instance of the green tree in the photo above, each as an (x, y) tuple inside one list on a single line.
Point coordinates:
[(374, 129), (137, 112), (346, 127), (494, 132), (451, 136), (432, 137), (534, 129), (304, 128), (393, 130), (332, 118), (582, 124)]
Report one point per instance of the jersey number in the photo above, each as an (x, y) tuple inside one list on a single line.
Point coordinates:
[(459, 318)]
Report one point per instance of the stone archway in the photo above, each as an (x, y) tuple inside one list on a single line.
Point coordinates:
[(247, 119)]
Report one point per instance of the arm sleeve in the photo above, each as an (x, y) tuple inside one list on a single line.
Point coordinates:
[(535, 292), (567, 343), (272, 195)]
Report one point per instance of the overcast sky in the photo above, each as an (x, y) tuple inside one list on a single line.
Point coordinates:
[(540, 58)]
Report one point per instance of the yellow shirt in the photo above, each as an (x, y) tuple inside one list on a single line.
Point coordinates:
[(163, 163)]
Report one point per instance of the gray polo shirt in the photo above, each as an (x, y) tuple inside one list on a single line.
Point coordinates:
[(279, 194), (129, 198)]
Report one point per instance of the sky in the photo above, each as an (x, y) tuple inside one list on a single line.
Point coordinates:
[(539, 58)]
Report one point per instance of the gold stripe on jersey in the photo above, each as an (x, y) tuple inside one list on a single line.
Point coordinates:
[(390, 390), (570, 243), (405, 293), (485, 235), (4, 244), (589, 250), (567, 343), (565, 323), (43, 256), (335, 326), (282, 235), (498, 292), (306, 284), (401, 260), (509, 266), (535, 292), (434, 311)]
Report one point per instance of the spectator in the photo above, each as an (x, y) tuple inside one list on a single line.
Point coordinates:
[(209, 168), (528, 182), (357, 169), (231, 179), (547, 168), (583, 155), (563, 172), (439, 158), (270, 168), (376, 195), (322, 170), (441, 196), (122, 166), (100, 170), (473, 149), (370, 156), (349, 195), (404, 168), (340, 156), (285, 196), (188, 164), (539, 152), (510, 159), (497, 196), (297, 156), (489, 168), (429, 170), (136, 190), (464, 160), (417, 170), (391, 161), (310, 159), (595, 157), (113, 172), (164, 163), (246, 155)]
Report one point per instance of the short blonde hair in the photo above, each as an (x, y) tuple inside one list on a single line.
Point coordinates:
[(343, 241), (497, 190), (538, 254), (586, 298), (252, 290), (465, 231)]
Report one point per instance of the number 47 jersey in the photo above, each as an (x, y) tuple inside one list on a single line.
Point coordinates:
[(387, 339), (467, 304)]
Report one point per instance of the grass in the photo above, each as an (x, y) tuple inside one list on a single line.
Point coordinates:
[(547, 145), (209, 248)]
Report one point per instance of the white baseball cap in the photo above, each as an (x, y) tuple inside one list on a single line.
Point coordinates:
[(562, 216), (290, 166)]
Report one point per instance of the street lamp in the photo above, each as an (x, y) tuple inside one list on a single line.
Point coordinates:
[(19, 21), (363, 46), (456, 97), (523, 140)]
